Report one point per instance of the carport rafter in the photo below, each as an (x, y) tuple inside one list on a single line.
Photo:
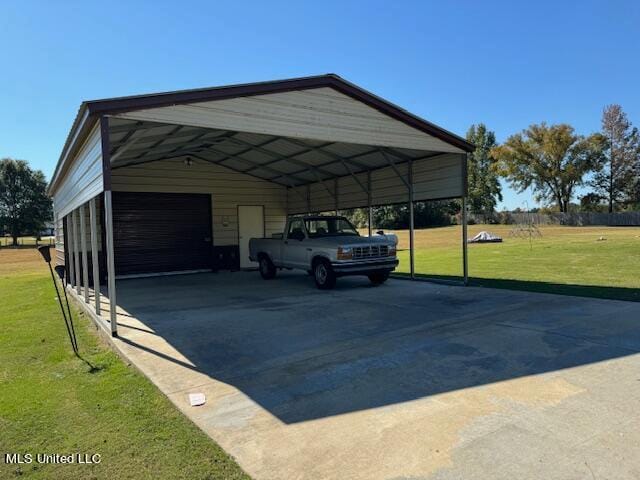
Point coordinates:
[(251, 163), (286, 157), (145, 150), (394, 167), (321, 149), (290, 159), (187, 132), (178, 151), (150, 149)]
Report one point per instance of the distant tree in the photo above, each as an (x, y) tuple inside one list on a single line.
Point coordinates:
[(592, 202), (425, 214), (484, 191), (615, 180), (24, 205), (552, 159)]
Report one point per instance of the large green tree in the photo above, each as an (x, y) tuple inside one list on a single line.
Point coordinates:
[(24, 204), (615, 180), (551, 159), (484, 191)]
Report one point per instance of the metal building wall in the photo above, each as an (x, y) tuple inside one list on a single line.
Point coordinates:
[(228, 189), (433, 178), (83, 178)]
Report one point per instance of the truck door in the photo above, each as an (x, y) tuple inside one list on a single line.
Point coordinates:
[(294, 251)]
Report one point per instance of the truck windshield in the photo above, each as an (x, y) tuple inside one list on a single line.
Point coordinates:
[(329, 227)]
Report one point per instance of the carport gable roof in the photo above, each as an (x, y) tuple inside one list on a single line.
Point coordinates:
[(90, 111)]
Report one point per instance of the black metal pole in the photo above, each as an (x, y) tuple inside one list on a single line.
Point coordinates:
[(71, 336), (73, 330)]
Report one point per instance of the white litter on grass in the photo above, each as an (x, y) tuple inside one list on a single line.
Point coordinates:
[(197, 399), (485, 237)]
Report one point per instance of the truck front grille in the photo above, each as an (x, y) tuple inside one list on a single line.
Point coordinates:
[(372, 251)]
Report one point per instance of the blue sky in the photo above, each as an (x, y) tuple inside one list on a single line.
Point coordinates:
[(507, 64)]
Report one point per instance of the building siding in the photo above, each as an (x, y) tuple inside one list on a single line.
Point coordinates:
[(433, 178), (83, 180), (319, 114), (227, 188)]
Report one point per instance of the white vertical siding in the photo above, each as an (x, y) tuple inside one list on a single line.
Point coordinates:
[(439, 177), (433, 178), (320, 114), (83, 179), (228, 189)]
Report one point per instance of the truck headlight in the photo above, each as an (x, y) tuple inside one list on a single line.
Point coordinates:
[(391, 251), (345, 253)]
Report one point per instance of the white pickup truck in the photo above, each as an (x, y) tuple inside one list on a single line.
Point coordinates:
[(327, 247)]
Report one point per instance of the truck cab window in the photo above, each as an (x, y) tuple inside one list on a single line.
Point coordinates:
[(296, 230), (329, 227)]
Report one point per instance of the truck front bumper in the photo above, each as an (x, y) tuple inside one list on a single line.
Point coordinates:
[(364, 267)]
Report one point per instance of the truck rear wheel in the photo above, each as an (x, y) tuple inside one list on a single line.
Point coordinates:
[(323, 275), (267, 268)]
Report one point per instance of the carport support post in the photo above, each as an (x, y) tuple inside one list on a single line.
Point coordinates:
[(83, 245), (94, 253), (71, 277), (465, 188), (108, 221), (465, 262), (76, 252), (370, 208), (411, 236)]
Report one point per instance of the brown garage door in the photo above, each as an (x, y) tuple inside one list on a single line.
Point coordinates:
[(161, 232)]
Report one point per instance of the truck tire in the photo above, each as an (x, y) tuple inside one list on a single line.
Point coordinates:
[(378, 278), (267, 268), (323, 275)]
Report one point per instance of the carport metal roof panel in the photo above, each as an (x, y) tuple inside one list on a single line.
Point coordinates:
[(328, 92), (287, 161)]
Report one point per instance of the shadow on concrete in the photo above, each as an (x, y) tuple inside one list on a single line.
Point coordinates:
[(303, 354), (592, 291)]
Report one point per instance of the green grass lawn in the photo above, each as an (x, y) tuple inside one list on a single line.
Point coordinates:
[(50, 401), (565, 260)]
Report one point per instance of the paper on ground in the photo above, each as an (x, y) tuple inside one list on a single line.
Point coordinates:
[(196, 399)]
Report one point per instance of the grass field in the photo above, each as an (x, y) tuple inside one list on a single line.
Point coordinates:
[(27, 241), (565, 260), (52, 402)]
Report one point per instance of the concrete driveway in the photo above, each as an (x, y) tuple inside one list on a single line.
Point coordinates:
[(407, 380)]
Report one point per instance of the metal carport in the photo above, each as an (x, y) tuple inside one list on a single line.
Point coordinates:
[(300, 145)]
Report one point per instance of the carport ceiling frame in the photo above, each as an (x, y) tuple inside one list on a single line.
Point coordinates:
[(202, 142)]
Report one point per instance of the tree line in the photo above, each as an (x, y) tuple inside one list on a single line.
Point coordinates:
[(25, 207), (552, 160)]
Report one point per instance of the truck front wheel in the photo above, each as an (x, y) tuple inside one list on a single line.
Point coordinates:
[(323, 275), (378, 278), (267, 268)]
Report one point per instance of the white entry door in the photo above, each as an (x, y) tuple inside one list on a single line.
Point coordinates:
[(250, 225)]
